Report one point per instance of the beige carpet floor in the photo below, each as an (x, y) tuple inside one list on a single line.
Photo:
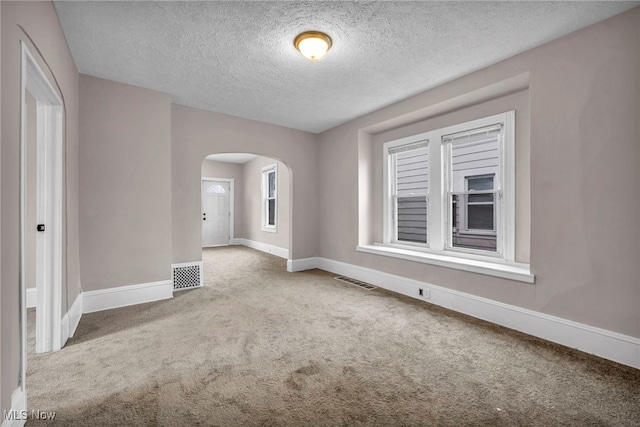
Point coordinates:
[(262, 347)]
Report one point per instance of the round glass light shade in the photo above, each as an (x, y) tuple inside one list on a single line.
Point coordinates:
[(313, 44)]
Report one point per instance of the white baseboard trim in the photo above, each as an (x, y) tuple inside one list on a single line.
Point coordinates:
[(70, 320), (610, 345), (123, 296), (294, 265), (270, 249), (64, 330), (75, 314), (32, 297), (17, 415)]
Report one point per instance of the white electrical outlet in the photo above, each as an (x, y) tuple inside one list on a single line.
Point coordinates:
[(424, 293)]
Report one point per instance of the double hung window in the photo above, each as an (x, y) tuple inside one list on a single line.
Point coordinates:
[(269, 197), (452, 190)]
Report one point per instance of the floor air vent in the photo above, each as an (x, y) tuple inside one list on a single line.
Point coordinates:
[(355, 282), (187, 276)]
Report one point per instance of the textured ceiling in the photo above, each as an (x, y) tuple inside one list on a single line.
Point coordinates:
[(238, 57)]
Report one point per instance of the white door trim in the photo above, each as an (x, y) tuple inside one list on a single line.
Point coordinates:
[(49, 207), (232, 192)]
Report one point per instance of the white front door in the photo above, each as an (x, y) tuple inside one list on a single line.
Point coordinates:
[(215, 213)]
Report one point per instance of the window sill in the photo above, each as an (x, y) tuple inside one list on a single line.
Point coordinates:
[(512, 271), (270, 229)]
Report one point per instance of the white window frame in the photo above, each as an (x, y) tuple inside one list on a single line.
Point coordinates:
[(439, 213), (390, 221), (266, 171)]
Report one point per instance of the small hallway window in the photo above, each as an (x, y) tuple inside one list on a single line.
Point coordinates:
[(269, 198)]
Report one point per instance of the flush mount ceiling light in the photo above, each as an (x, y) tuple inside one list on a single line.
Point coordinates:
[(313, 44)]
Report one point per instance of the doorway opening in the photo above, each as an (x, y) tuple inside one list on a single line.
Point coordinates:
[(41, 167), (246, 200)]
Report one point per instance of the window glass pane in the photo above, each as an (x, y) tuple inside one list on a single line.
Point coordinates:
[(480, 217), (412, 219), (478, 233), (271, 206), (412, 172), (480, 198), (480, 183), (475, 241), (272, 184), (216, 189), (475, 166)]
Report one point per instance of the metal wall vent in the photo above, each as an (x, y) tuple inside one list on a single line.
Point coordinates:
[(187, 277), (355, 282)]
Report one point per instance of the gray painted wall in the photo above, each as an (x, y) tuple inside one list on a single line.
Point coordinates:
[(125, 184), (36, 24), (253, 203), (584, 105)]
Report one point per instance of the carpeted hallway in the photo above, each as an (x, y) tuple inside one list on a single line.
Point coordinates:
[(262, 347)]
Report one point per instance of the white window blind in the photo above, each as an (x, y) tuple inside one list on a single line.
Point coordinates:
[(410, 166)]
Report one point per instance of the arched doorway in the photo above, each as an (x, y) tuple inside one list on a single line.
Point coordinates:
[(246, 200)]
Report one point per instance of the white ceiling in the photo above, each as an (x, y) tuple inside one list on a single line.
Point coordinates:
[(238, 58), (232, 157)]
